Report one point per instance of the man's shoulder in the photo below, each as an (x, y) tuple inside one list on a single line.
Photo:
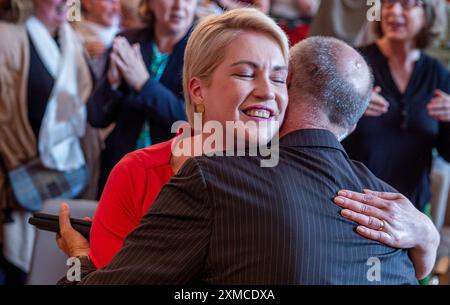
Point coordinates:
[(227, 163), (216, 171), (369, 180)]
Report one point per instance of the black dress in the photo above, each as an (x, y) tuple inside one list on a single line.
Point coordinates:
[(398, 146)]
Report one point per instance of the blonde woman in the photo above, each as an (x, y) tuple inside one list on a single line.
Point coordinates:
[(230, 93)]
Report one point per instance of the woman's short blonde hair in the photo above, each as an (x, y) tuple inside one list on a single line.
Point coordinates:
[(435, 23), (206, 46)]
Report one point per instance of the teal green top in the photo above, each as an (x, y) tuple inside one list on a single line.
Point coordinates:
[(157, 67)]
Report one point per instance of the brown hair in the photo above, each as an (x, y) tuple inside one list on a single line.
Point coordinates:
[(435, 23)]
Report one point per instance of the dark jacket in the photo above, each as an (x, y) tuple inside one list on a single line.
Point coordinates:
[(161, 103), (226, 220)]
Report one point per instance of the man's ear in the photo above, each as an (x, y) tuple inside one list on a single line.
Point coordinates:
[(196, 89)]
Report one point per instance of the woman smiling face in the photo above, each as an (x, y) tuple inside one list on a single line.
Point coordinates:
[(402, 24), (249, 85)]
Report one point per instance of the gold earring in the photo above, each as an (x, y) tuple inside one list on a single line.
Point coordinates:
[(199, 108)]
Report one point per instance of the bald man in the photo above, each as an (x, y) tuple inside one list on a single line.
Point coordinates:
[(329, 87), (226, 220)]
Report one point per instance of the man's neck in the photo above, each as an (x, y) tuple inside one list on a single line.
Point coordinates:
[(338, 134), (305, 120)]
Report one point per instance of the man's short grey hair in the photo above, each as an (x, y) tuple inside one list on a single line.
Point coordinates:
[(332, 77)]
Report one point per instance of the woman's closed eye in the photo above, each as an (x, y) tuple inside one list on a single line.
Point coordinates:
[(279, 80), (279, 77), (244, 75)]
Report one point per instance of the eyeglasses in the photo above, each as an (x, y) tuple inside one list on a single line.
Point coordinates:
[(406, 4)]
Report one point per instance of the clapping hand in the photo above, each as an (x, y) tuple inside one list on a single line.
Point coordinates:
[(130, 63), (378, 104), (439, 107)]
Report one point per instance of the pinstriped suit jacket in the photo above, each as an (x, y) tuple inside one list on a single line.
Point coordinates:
[(226, 220)]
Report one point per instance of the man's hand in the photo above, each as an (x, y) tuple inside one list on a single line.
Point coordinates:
[(70, 241)]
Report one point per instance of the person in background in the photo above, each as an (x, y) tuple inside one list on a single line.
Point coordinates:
[(42, 115), (409, 114), (97, 29), (345, 20), (441, 48), (130, 18), (141, 92), (294, 17)]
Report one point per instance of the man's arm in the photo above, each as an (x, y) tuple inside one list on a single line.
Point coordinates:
[(170, 245)]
